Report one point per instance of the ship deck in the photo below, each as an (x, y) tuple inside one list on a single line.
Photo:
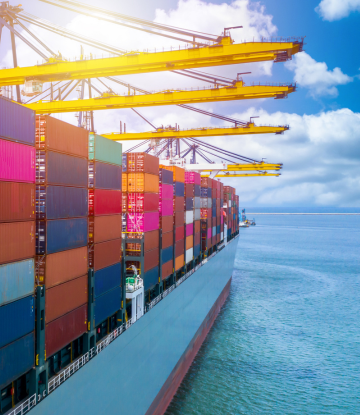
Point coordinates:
[(128, 376)]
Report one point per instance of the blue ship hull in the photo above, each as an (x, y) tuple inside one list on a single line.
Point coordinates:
[(140, 371)]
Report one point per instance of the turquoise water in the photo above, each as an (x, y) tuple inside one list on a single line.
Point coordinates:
[(288, 339)]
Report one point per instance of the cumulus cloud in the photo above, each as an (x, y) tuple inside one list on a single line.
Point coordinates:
[(337, 9), (316, 76)]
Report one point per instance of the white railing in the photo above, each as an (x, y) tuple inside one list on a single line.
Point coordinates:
[(154, 302), (25, 406), (168, 291)]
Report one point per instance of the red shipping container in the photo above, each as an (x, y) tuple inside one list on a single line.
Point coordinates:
[(143, 202), (166, 223), (17, 201), (206, 182), (197, 226), (104, 202), (142, 163), (179, 233), (166, 191), (192, 177), (197, 238), (17, 162), (179, 204), (104, 254), (65, 297), (53, 134), (179, 219), (104, 228), (189, 190), (17, 241), (179, 248), (166, 269), (167, 239), (65, 329), (151, 259)]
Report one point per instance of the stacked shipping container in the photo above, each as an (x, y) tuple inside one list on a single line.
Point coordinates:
[(61, 229), (105, 209), (206, 203), (193, 191), (17, 247)]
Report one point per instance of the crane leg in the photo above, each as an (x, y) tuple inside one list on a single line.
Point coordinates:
[(13, 47)]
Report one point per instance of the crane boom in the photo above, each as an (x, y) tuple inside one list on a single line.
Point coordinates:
[(236, 92), (265, 174), (224, 53), (164, 133)]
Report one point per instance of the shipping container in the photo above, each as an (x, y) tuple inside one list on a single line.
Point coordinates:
[(142, 222), (189, 255), (17, 241), (143, 183), (60, 202), (103, 149), (143, 202), (189, 217), (124, 181), (165, 176), (17, 123), (105, 202), (179, 203), (192, 177), (196, 250), (179, 218), (179, 262), (197, 190), (17, 162), (167, 239), (189, 190), (57, 135), (167, 254), (16, 358), (124, 162), (104, 228), (55, 269), (151, 260), (189, 204), (179, 233), (151, 278), (179, 189), (167, 269), (63, 298), (16, 280), (197, 238), (167, 223), (107, 278), (62, 331), (142, 163), (61, 169), (179, 247), (197, 226), (189, 242), (16, 319), (189, 229), (166, 191), (178, 173), (107, 304), (104, 254), (197, 214), (60, 235), (166, 207), (105, 176), (196, 202), (17, 201)]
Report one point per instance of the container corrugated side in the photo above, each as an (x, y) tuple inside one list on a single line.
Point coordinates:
[(151, 278), (107, 304), (107, 278), (65, 297), (17, 123), (16, 320), (105, 202), (104, 254), (107, 176), (17, 241), (103, 149), (57, 135), (17, 201), (16, 280), (104, 228), (17, 162), (166, 269), (62, 331), (16, 359)]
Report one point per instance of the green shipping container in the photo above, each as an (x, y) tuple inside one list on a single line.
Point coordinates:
[(103, 149)]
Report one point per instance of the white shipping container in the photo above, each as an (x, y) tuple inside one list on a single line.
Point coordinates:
[(197, 214), (229, 203), (214, 231), (189, 216), (189, 255)]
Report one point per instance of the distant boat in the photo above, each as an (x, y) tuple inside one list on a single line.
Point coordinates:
[(245, 223)]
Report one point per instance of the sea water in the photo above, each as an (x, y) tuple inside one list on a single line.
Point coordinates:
[(287, 341)]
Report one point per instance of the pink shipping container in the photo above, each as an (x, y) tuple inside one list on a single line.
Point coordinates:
[(166, 191), (17, 162), (209, 233), (166, 207), (143, 222), (189, 229), (192, 177), (222, 219)]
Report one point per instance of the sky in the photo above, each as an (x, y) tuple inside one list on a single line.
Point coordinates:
[(320, 153)]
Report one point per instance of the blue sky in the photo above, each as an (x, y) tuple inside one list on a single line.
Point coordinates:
[(321, 151)]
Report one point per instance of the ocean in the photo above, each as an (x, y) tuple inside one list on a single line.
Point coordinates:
[(287, 340)]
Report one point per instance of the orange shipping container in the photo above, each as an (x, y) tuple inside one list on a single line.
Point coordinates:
[(104, 228), (124, 179), (197, 226), (17, 241), (143, 182), (179, 262), (178, 172), (189, 242)]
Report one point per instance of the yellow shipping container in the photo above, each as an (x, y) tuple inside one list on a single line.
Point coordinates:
[(143, 183), (124, 185)]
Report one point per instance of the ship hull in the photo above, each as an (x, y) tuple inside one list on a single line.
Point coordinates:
[(140, 371)]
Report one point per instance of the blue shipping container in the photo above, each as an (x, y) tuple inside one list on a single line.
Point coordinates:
[(124, 163), (179, 189), (197, 203), (189, 204), (196, 251), (60, 202), (17, 123), (16, 320), (16, 281), (151, 278), (167, 254), (107, 278), (107, 176), (107, 304), (197, 190), (166, 176), (218, 229), (66, 170), (64, 234), (16, 359), (213, 212)]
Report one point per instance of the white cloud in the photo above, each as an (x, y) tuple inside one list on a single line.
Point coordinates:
[(316, 76), (337, 9)]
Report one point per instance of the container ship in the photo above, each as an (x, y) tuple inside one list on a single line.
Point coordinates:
[(113, 268)]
